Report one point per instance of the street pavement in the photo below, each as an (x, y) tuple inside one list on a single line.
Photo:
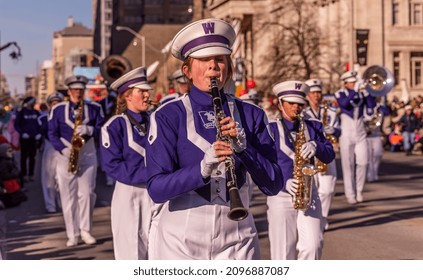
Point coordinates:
[(386, 226)]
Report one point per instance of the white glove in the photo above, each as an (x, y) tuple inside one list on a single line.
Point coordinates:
[(25, 136), (209, 162), (38, 136), (329, 130), (308, 150), (292, 186), (66, 152), (85, 130), (240, 143)]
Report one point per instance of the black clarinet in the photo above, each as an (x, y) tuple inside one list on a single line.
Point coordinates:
[(237, 210)]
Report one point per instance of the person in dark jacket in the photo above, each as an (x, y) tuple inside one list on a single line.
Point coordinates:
[(26, 125), (410, 126)]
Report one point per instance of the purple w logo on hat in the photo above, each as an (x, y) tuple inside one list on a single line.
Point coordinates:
[(208, 27), (298, 86)]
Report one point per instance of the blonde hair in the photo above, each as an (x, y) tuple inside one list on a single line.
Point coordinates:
[(121, 105)]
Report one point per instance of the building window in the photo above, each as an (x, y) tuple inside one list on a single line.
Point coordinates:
[(416, 68), (416, 8), (395, 12), (396, 67)]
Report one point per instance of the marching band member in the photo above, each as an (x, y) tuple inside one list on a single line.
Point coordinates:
[(186, 163), (182, 87), (373, 126), (49, 159), (352, 142), (27, 126), (290, 228), (76, 189), (325, 181), (123, 139)]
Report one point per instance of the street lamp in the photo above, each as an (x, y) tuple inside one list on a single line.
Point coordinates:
[(142, 38)]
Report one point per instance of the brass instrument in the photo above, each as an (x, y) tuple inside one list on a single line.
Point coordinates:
[(113, 67), (378, 80), (320, 166), (77, 141), (303, 172), (374, 123), (237, 210)]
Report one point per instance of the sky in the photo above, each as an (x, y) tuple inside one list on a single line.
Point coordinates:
[(31, 23)]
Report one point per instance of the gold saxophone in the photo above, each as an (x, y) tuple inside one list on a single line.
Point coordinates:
[(320, 166), (331, 138), (77, 141), (303, 172)]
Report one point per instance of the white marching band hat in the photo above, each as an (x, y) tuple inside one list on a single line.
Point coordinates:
[(292, 91), (76, 82), (179, 77), (56, 96), (136, 78), (349, 77), (203, 38), (314, 85)]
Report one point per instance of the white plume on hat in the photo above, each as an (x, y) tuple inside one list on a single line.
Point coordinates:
[(349, 76), (203, 38), (314, 85), (135, 78), (292, 91)]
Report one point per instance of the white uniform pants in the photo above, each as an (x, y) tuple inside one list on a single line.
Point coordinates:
[(354, 157), (375, 157), (48, 176), (131, 213), (291, 230), (77, 191), (189, 227), (326, 187)]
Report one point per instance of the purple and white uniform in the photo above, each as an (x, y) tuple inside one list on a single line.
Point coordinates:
[(290, 229), (193, 222), (76, 190), (122, 155), (352, 143)]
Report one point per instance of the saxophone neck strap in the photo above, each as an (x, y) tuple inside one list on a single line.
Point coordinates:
[(142, 128), (287, 132)]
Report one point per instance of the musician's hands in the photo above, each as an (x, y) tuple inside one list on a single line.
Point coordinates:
[(292, 186), (214, 154), (237, 134), (25, 136), (85, 130), (308, 150)]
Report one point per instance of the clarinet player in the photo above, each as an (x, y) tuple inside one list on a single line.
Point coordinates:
[(68, 120), (292, 228), (187, 164)]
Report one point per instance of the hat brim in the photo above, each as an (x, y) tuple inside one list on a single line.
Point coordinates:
[(350, 80), (141, 85), (182, 80), (211, 51), (77, 86), (294, 99), (315, 89)]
